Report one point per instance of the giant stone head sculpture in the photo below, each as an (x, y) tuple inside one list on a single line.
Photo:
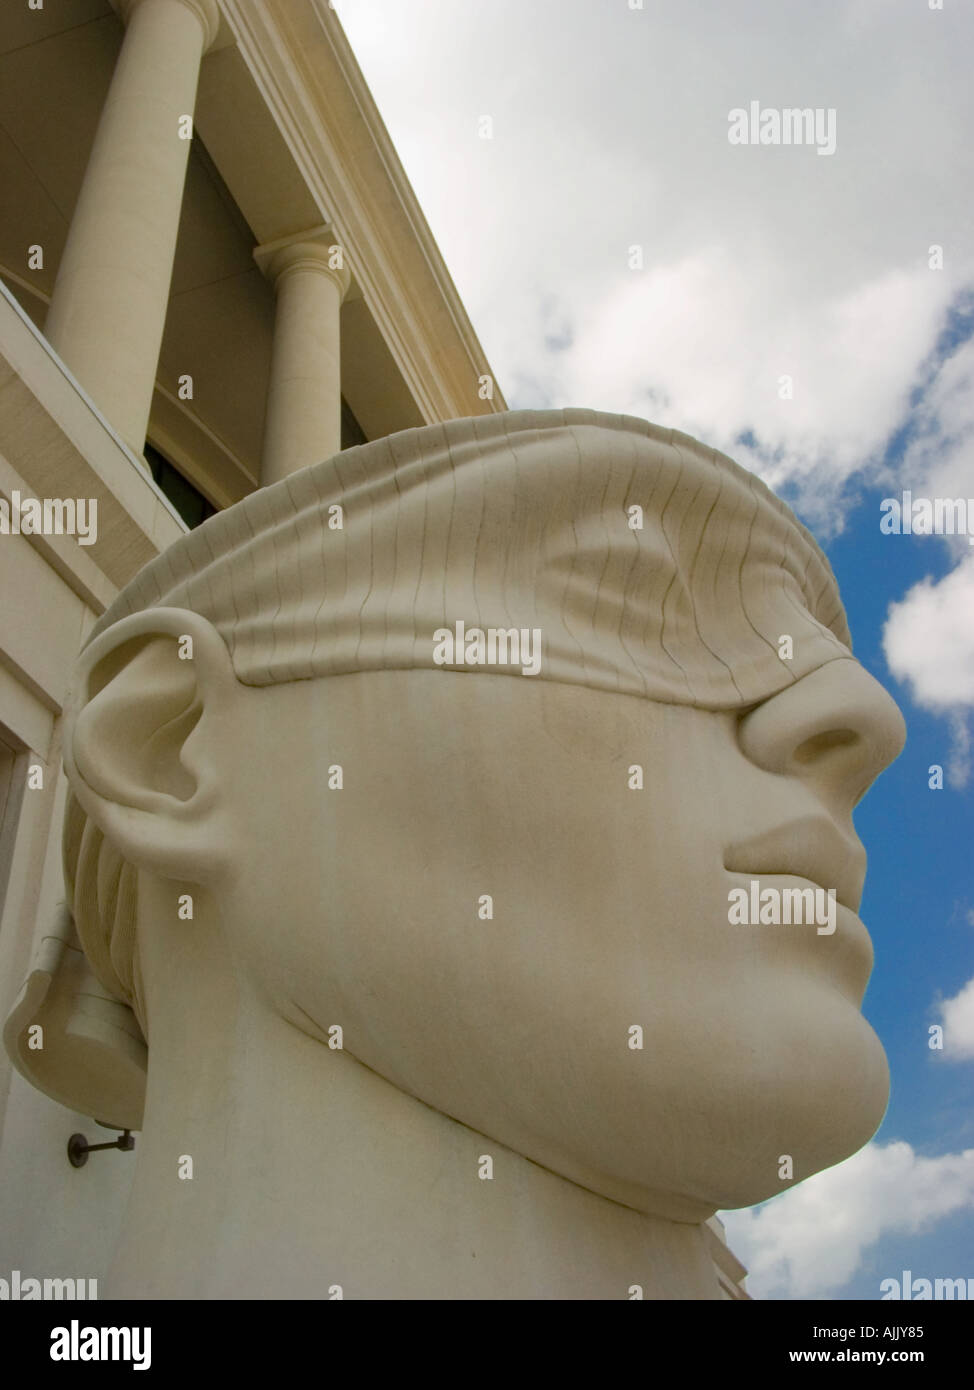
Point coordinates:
[(470, 737)]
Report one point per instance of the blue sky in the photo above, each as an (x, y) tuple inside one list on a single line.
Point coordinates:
[(608, 130)]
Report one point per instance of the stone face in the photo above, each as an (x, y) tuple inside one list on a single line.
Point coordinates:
[(435, 965)]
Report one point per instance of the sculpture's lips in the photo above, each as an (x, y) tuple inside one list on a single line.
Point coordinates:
[(812, 848)]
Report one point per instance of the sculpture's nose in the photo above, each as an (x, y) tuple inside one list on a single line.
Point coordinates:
[(836, 729)]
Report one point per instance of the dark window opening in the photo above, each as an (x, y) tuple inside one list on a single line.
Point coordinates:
[(13, 779), (189, 502), (352, 431)]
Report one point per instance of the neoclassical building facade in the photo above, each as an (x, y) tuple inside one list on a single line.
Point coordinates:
[(214, 273)]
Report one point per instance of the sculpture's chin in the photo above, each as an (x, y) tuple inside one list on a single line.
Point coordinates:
[(811, 1101), (735, 1119), (752, 1075)]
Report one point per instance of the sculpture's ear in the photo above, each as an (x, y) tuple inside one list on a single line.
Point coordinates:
[(146, 735)]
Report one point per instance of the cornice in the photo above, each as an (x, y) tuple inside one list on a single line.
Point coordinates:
[(307, 75)]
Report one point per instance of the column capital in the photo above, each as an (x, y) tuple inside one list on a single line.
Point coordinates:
[(317, 250), (206, 11)]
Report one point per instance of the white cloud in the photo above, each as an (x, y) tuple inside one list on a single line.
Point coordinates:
[(810, 1241), (710, 337), (929, 635), (958, 1020), (610, 130), (928, 641), (959, 756), (939, 461)]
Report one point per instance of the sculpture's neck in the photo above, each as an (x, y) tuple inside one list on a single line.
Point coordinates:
[(310, 1174)]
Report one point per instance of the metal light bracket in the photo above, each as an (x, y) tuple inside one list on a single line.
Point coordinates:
[(79, 1148)]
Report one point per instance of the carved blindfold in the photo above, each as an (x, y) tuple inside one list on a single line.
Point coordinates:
[(648, 564)]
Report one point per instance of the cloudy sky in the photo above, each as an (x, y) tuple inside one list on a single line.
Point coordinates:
[(811, 314)]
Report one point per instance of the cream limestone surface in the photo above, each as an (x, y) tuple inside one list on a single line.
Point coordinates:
[(304, 417), (461, 877), (108, 310)]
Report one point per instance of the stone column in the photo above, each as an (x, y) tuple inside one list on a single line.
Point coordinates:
[(303, 423), (109, 305)]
